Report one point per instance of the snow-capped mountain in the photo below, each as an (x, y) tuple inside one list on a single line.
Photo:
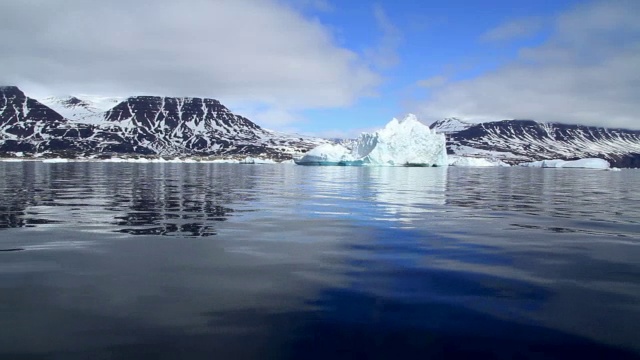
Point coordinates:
[(140, 124), (74, 126), (85, 109), (516, 141), (450, 125)]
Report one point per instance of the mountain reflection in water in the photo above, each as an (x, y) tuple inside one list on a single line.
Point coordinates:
[(101, 260)]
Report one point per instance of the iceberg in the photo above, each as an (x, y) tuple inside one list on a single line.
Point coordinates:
[(405, 142), (253, 160), (55, 160), (588, 163), (328, 154)]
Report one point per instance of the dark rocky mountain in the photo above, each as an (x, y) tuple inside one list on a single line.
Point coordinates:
[(23, 117), (146, 125), (515, 141), (169, 125)]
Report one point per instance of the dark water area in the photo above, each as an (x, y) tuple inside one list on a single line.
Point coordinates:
[(222, 261)]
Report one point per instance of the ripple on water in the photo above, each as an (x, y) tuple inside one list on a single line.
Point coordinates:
[(180, 259)]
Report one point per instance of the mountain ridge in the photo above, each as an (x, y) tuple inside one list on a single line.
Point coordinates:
[(515, 141), (144, 125), (74, 127)]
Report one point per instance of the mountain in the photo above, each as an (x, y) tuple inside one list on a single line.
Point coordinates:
[(24, 122), (83, 109), (81, 126), (450, 125), (148, 125), (516, 141)]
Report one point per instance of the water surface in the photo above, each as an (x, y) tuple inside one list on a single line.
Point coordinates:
[(104, 260)]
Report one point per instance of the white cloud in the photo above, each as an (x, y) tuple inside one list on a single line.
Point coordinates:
[(515, 29), (385, 54), (259, 52), (344, 133), (587, 72), (433, 82), (315, 5), (268, 116)]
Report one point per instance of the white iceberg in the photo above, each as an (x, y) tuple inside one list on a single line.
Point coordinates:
[(401, 143), (55, 160), (327, 154), (220, 161), (588, 163), (254, 160)]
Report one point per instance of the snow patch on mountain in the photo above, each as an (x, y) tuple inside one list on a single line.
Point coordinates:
[(450, 125), (86, 109)]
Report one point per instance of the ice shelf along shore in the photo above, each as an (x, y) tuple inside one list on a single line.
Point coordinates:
[(462, 161), (155, 160), (405, 142), (588, 163)]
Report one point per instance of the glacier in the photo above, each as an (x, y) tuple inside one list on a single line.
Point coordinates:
[(406, 142)]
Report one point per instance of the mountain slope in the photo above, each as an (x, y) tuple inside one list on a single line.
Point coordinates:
[(140, 124), (171, 126), (450, 125), (517, 141), (21, 116)]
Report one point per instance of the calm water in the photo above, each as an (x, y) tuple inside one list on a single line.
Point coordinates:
[(203, 261)]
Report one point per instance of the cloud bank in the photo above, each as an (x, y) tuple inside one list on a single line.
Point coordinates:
[(241, 51), (586, 73)]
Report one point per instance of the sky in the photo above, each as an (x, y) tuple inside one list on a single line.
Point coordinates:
[(335, 68)]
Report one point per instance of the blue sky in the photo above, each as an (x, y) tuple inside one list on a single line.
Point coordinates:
[(335, 68), (435, 39)]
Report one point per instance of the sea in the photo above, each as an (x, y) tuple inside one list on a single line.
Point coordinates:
[(233, 261)]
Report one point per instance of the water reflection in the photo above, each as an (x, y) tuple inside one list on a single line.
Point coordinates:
[(407, 194), (396, 195), (316, 262), (136, 199)]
